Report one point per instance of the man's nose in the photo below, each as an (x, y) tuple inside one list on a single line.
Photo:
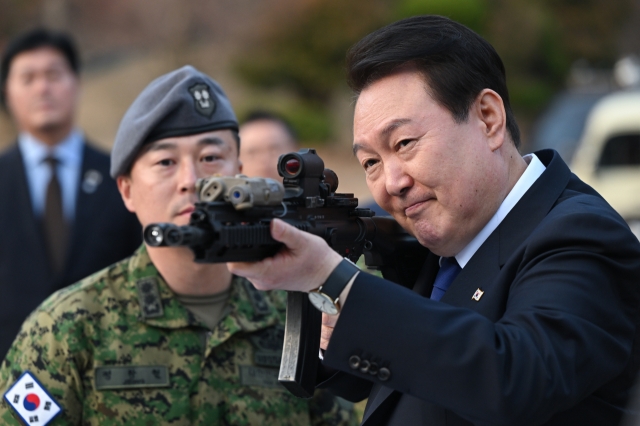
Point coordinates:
[(42, 84), (188, 175), (397, 180)]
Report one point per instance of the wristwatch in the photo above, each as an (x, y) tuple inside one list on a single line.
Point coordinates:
[(325, 297)]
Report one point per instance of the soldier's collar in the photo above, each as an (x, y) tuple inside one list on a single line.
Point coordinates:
[(247, 309), (251, 309), (157, 304)]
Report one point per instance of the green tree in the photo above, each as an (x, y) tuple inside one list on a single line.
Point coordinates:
[(537, 39), (306, 58)]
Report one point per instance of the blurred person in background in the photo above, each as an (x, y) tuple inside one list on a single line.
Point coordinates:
[(158, 338), (265, 137), (62, 217)]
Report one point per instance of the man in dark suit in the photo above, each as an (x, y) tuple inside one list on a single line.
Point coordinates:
[(526, 310), (61, 213)]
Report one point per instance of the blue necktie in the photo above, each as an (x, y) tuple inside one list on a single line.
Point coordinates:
[(449, 270)]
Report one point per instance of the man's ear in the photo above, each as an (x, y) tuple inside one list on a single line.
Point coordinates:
[(124, 186), (490, 110), (6, 101)]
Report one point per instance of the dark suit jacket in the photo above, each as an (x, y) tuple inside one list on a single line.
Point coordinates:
[(553, 340), (102, 233)]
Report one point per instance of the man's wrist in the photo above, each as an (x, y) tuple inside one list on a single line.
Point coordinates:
[(326, 298), (326, 267), (347, 289)]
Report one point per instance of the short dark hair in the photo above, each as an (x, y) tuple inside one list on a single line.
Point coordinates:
[(456, 63), (262, 115), (34, 39)]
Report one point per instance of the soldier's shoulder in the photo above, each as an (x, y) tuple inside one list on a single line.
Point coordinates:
[(89, 294)]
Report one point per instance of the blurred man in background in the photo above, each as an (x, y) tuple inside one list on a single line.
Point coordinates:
[(62, 217), (265, 137)]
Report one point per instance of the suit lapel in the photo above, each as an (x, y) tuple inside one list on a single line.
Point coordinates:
[(479, 273), (424, 283), (535, 204), (31, 234), (89, 184)]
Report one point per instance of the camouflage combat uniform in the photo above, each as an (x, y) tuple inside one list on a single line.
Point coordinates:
[(119, 349)]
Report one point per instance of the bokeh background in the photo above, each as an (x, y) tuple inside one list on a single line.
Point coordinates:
[(288, 55)]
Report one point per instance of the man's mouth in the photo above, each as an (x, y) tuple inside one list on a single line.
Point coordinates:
[(414, 208), (186, 211), (44, 105)]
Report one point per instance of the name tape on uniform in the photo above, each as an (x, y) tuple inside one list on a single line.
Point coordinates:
[(258, 376), (31, 400), (131, 376)]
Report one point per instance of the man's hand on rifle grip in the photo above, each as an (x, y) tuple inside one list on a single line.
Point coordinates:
[(302, 265)]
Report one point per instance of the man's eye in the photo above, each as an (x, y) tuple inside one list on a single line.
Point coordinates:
[(405, 142), (210, 158), (54, 75), (166, 162), (369, 163)]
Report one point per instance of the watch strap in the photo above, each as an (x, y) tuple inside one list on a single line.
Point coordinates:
[(339, 278)]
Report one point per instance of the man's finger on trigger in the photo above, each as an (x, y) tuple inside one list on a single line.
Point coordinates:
[(285, 233)]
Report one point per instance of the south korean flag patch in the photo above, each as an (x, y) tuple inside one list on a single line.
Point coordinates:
[(31, 401)]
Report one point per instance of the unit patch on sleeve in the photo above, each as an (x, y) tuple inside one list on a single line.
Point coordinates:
[(31, 401)]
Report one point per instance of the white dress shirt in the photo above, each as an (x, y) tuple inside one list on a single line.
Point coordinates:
[(69, 155), (530, 175)]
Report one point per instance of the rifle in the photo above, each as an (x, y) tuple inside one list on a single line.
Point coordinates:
[(231, 223)]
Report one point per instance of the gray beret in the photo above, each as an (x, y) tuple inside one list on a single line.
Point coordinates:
[(182, 103)]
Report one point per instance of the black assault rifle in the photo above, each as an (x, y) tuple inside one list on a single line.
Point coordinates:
[(231, 223)]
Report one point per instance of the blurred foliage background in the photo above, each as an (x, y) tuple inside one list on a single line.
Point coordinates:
[(288, 55), (538, 40)]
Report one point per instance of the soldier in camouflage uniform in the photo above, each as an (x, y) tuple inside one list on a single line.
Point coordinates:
[(128, 345)]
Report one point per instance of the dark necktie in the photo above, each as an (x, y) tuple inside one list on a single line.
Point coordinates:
[(449, 270), (55, 226)]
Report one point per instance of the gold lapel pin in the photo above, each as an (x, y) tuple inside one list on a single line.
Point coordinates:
[(477, 295)]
